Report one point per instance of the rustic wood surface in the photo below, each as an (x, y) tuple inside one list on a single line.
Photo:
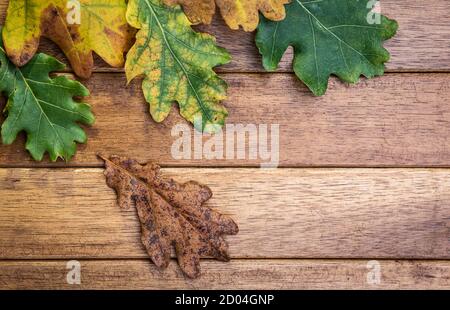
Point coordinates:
[(238, 274), (365, 177), (283, 213), (396, 120)]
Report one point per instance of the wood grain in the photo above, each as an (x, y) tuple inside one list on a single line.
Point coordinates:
[(283, 213), (399, 120), (422, 43), (300, 228), (238, 274)]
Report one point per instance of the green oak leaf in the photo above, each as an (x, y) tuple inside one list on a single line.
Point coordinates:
[(339, 37), (177, 64), (43, 107)]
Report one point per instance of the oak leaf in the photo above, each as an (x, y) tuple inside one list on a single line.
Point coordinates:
[(171, 214), (340, 37), (177, 64), (77, 27), (236, 13), (43, 107)]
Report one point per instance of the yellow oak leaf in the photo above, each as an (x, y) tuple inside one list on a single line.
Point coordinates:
[(236, 13), (177, 65), (78, 27)]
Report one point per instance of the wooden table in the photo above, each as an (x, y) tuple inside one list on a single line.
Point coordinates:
[(364, 176)]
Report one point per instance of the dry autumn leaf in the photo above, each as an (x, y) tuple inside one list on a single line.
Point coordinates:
[(236, 13), (171, 214), (77, 27)]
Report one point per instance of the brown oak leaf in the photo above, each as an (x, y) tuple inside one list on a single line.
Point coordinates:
[(236, 13), (171, 214)]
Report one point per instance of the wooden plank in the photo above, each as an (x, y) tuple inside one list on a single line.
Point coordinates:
[(238, 274), (400, 120), (283, 213), (419, 46)]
